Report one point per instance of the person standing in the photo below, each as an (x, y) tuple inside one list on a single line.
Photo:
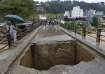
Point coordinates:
[(8, 34), (13, 32)]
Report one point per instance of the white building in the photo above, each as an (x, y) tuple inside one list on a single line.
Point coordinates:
[(55, 0), (77, 12), (91, 13), (99, 13), (42, 17), (67, 14)]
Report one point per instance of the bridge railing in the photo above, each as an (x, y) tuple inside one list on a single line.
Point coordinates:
[(84, 32), (20, 35), (3, 41), (8, 57), (85, 42)]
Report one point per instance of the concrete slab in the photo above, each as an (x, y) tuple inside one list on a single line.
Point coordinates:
[(51, 34), (51, 39), (97, 66)]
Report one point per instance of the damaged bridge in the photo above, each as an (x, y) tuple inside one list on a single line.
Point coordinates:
[(53, 50)]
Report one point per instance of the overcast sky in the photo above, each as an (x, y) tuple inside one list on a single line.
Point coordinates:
[(77, 0)]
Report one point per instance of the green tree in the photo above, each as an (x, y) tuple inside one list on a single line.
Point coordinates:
[(61, 6), (95, 22), (24, 8)]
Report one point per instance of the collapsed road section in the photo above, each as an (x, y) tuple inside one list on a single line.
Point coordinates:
[(54, 52)]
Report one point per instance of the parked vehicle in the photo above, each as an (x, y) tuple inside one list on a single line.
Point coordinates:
[(2, 24)]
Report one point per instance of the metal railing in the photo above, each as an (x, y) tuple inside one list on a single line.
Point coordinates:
[(20, 35), (97, 33), (3, 41)]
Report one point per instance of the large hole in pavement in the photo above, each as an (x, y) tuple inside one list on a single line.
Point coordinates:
[(45, 56)]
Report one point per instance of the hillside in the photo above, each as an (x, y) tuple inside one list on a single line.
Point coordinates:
[(61, 6)]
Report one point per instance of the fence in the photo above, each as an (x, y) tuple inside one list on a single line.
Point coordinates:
[(97, 33), (20, 35)]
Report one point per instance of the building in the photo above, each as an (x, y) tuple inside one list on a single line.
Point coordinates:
[(55, 0), (40, 9), (99, 13), (91, 13), (77, 12), (67, 14), (42, 17)]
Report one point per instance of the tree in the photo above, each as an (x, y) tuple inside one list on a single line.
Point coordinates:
[(95, 22), (61, 6), (24, 8)]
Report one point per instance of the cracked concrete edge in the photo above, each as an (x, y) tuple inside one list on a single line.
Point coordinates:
[(9, 56)]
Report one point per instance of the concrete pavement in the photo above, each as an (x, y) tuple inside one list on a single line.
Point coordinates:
[(96, 66)]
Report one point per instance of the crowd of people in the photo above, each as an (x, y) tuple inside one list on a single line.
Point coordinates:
[(49, 22), (11, 31)]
